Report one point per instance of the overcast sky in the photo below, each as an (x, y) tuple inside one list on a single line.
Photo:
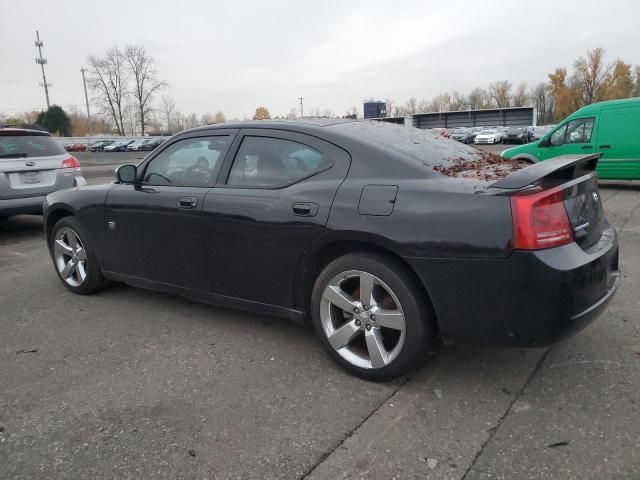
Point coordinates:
[(236, 55)]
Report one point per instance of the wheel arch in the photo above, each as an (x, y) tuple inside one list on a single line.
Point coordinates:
[(53, 216), (318, 258)]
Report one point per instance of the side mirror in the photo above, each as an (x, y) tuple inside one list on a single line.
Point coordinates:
[(127, 173)]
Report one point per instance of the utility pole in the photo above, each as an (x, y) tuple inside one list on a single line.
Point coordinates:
[(301, 107), (86, 99), (42, 62)]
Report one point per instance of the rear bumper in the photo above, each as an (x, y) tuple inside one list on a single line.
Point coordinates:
[(21, 206), (528, 299)]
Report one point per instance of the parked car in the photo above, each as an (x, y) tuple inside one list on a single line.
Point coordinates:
[(135, 145), (460, 135), (342, 224), (99, 145), (32, 165), (515, 135), (150, 144), (76, 147), (442, 131), (611, 128), (487, 137), (537, 133), (473, 131), (119, 146)]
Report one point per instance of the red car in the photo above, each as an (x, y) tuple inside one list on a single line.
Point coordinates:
[(442, 131), (76, 147)]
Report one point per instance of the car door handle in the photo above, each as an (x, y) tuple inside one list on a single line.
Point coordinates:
[(305, 209), (188, 202), (604, 146), (586, 147)]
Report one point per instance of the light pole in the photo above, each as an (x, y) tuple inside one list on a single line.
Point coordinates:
[(301, 107), (86, 99), (42, 62)]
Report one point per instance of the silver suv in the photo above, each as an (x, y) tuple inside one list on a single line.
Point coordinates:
[(32, 165)]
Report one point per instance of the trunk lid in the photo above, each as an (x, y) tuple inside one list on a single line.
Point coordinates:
[(575, 175)]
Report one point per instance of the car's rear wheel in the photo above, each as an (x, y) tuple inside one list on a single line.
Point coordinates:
[(371, 317), (74, 257)]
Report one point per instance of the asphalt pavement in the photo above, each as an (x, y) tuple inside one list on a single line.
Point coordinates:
[(134, 384)]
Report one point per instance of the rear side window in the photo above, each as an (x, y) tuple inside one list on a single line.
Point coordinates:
[(25, 146), (274, 163)]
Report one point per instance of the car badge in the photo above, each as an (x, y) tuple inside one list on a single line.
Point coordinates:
[(595, 196), (30, 164)]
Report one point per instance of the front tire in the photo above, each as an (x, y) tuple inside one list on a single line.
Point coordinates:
[(74, 257), (371, 317)]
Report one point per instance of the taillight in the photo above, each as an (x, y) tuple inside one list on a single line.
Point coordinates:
[(71, 162), (540, 220)]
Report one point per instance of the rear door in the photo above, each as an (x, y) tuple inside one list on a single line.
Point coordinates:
[(272, 200), (31, 165), (619, 142)]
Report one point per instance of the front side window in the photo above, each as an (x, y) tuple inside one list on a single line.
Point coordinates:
[(557, 137), (265, 162), (192, 162), (579, 131)]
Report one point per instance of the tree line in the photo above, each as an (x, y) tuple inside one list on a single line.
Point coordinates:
[(592, 80)]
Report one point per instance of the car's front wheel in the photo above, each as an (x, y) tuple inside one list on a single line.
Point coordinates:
[(74, 257), (371, 317)]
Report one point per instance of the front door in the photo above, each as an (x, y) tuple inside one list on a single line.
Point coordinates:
[(576, 136), (154, 226), (273, 200)]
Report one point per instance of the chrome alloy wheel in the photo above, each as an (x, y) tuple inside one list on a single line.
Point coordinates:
[(70, 257), (362, 319)]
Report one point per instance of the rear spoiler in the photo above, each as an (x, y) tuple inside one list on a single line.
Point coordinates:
[(563, 167)]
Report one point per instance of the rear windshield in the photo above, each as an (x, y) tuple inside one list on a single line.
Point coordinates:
[(427, 147), (25, 146)]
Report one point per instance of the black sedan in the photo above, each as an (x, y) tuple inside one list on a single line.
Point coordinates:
[(385, 238), (516, 135)]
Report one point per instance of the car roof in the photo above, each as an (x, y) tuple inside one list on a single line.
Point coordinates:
[(301, 124), (22, 131), (596, 107)]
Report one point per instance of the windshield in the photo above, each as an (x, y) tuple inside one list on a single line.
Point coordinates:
[(24, 146), (487, 132)]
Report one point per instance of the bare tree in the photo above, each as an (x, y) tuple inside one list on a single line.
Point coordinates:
[(146, 83), (206, 119), (542, 100), (191, 121), (293, 114), (392, 107), (108, 79), (478, 98), (520, 96), (412, 105), (500, 93), (591, 74), (458, 101), (167, 110), (219, 117)]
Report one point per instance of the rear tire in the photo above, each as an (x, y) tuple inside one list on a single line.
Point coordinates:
[(371, 317), (74, 257)]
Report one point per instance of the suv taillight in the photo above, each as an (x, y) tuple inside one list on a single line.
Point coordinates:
[(540, 220), (71, 162)]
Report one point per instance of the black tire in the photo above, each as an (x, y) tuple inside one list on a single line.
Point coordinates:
[(94, 280), (420, 325)]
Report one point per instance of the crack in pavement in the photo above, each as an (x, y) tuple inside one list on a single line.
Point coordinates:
[(351, 432), (506, 413)]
